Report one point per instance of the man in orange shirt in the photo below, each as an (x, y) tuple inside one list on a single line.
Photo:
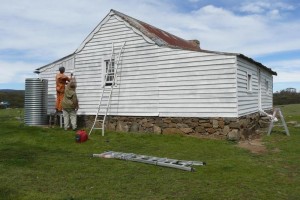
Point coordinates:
[(61, 81)]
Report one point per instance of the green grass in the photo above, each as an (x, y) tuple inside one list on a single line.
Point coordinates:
[(291, 112), (46, 163)]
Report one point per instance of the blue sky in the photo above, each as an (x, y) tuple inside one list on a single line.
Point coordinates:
[(36, 32)]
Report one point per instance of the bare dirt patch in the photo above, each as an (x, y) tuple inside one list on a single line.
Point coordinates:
[(254, 146)]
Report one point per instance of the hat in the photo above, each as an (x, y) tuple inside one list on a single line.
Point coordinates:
[(61, 69)]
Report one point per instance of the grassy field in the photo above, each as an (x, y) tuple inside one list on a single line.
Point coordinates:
[(46, 163)]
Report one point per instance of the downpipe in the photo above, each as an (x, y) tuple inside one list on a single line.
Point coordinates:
[(271, 117)]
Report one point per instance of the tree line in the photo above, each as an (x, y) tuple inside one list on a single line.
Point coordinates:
[(286, 97), (15, 98)]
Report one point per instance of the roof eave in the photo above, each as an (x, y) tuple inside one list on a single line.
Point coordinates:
[(257, 63), (243, 57), (70, 55)]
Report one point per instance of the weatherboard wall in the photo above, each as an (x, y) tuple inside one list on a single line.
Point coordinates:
[(249, 100), (136, 90), (197, 84), (152, 80), (266, 90)]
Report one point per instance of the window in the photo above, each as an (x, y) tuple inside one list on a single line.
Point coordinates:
[(110, 70), (267, 86), (249, 82)]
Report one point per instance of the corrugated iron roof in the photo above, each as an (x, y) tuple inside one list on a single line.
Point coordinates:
[(163, 38), (160, 37)]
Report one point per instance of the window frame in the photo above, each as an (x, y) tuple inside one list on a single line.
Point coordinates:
[(249, 79), (267, 86), (108, 83)]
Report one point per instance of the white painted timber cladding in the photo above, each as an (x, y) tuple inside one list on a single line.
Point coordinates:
[(134, 95), (197, 85), (248, 101), (155, 81), (266, 95)]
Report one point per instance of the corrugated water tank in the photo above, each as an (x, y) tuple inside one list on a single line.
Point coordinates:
[(36, 98)]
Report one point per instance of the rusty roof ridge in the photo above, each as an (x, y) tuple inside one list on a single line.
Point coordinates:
[(139, 25)]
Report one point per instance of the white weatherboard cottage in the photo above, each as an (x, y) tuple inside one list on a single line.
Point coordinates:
[(161, 75)]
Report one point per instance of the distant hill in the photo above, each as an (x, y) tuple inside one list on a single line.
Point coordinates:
[(14, 97)]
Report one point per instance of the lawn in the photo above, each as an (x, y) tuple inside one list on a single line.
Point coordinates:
[(47, 163)]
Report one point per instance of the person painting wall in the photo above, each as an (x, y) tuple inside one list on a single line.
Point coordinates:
[(61, 81)]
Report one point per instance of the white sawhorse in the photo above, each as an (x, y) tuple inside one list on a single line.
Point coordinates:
[(274, 119)]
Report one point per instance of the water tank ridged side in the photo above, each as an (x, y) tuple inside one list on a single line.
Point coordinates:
[(35, 104)]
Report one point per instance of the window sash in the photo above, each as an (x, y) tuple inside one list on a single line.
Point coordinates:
[(267, 86), (249, 82), (110, 70)]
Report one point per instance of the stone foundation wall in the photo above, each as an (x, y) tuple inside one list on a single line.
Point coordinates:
[(225, 128)]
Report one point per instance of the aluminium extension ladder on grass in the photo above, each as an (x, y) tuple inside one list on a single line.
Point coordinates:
[(274, 119), (111, 71), (165, 162)]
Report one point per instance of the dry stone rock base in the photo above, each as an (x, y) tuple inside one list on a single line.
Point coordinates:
[(231, 128), (233, 135)]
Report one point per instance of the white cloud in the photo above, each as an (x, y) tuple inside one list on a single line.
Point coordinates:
[(287, 76), (291, 64), (16, 72), (255, 7), (58, 27), (287, 70), (265, 6), (222, 30)]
